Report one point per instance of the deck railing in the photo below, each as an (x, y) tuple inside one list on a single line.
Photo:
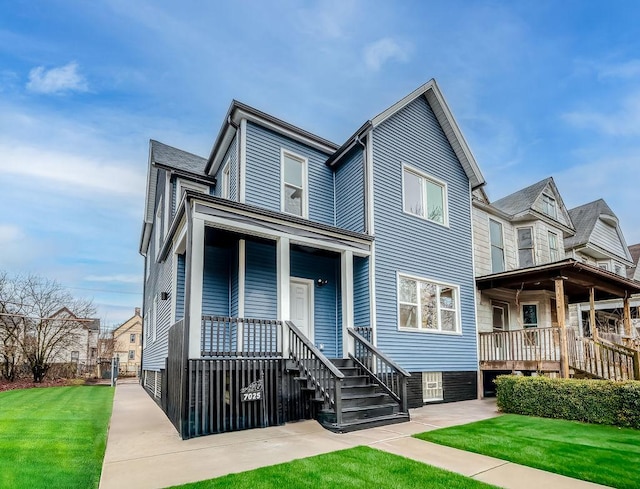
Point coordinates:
[(241, 337), (522, 345), (606, 361), (323, 375), (385, 372)]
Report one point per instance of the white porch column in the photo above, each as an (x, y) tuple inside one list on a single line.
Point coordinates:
[(283, 266), (346, 269), (242, 263), (196, 280)]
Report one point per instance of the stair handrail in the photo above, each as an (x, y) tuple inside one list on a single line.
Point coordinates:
[(324, 375), (394, 385), (599, 357)]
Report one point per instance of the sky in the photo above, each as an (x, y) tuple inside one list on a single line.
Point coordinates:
[(539, 89)]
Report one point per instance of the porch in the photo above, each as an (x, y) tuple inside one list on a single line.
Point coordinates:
[(256, 373), (542, 341)]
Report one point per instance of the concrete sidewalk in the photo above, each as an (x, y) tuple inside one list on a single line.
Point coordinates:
[(145, 451)]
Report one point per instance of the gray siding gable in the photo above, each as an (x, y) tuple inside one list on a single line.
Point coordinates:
[(411, 245)]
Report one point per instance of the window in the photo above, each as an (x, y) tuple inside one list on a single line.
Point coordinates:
[(549, 206), (427, 306), (75, 356), (294, 184), (432, 386), (132, 338), (132, 354), (497, 246), (154, 318), (530, 315), (226, 181), (618, 269), (554, 254), (525, 247), (424, 197), (604, 265), (157, 228), (500, 315)]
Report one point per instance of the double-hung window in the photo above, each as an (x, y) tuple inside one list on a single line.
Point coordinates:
[(427, 306), (554, 254), (424, 196), (497, 246), (549, 206), (294, 184), (525, 247), (132, 338), (226, 181)]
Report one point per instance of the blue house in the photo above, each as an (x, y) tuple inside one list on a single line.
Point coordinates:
[(289, 277)]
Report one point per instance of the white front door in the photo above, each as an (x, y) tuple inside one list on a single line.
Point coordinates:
[(301, 300)]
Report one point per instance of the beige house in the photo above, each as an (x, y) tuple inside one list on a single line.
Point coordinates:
[(127, 344)]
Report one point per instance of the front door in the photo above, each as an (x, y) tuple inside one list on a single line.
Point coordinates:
[(301, 300)]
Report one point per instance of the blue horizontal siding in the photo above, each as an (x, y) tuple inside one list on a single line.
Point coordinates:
[(263, 181), (361, 309), (412, 245), (327, 329), (261, 297), (350, 192)]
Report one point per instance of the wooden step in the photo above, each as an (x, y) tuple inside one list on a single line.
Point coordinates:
[(365, 400), (353, 380), (342, 362), (363, 424)]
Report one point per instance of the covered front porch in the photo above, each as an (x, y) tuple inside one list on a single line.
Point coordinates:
[(524, 322), (269, 302)]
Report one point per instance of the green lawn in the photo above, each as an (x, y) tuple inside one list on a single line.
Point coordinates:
[(359, 467), (53, 437), (603, 454)]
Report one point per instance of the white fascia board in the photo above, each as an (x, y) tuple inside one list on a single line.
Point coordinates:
[(229, 134), (259, 231)]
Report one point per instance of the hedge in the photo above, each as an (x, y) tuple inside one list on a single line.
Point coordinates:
[(592, 401)]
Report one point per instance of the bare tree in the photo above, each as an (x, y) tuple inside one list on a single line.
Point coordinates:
[(10, 326), (47, 321)]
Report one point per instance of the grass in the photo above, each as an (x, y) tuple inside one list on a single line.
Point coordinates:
[(359, 467), (53, 437), (602, 454)]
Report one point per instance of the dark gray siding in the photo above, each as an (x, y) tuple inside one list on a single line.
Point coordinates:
[(325, 308), (350, 192), (361, 310), (261, 299), (263, 173), (180, 287), (456, 386), (408, 244)]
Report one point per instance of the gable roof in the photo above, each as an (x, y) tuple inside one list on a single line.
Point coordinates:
[(434, 97), (585, 218), (170, 157), (523, 199)]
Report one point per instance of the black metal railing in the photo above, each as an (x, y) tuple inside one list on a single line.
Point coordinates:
[(323, 375), (223, 337), (385, 372)]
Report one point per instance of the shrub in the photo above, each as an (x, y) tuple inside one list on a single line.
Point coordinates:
[(591, 401)]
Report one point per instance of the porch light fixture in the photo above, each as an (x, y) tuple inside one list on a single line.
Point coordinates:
[(321, 282)]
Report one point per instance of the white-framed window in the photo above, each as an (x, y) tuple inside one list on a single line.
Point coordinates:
[(294, 194), (604, 265), (497, 246), (182, 185), (157, 228), (132, 354), (426, 305), (549, 206), (432, 386), (132, 338), (154, 317), (424, 196), (618, 269), (554, 253), (75, 356), (147, 328), (226, 180), (525, 247), (500, 316)]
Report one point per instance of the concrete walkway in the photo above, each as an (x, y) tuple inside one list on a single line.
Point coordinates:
[(145, 451)]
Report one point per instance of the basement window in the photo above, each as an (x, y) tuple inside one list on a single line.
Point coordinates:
[(432, 386)]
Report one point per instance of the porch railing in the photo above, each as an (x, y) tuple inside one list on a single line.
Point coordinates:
[(522, 345), (241, 337), (323, 375), (365, 331), (385, 372), (606, 361)]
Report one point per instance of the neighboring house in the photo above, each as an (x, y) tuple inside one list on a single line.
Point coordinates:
[(127, 344), (633, 272), (76, 339), (540, 267), (327, 246)]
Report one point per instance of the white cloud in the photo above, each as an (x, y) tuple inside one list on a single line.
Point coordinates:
[(627, 69), (9, 233), (122, 278), (57, 80), (74, 171), (625, 121), (386, 49)]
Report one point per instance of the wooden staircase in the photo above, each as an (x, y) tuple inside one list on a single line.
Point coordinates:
[(602, 360), (363, 404)]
